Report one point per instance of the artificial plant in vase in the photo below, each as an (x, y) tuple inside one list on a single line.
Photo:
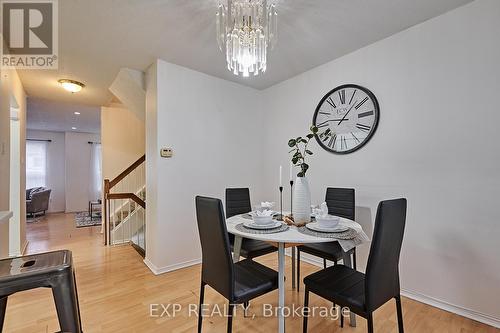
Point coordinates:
[(301, 194)]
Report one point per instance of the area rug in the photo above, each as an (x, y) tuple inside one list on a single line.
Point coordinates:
[(31, 219), (82, 219)]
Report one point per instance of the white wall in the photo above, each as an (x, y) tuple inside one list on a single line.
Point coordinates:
[(437, 145), (78, 171), (123, 139), (214, 128), (56, 175)]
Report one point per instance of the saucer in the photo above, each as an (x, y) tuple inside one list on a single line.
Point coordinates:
[(316, 227), (253, 225)]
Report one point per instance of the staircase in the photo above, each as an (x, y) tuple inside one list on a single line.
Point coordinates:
[(125, 207)]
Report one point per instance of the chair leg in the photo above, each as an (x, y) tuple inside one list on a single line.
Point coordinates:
[(341, 318), (3, 309), (400, 314), (354, 259), (324, 263), (230, 318), (306, 310), (202, 298), (370, 323), (66, 301), (298, 269)]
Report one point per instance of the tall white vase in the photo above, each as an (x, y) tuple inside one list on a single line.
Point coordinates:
[(301, 200)]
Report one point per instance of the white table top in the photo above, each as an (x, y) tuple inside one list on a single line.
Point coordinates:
[(5, 216), (292, 235)]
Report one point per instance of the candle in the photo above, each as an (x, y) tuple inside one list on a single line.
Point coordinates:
[(281, 172), (291, 171)]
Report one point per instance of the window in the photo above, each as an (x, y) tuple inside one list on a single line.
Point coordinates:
[(95, 187), (36, 164)]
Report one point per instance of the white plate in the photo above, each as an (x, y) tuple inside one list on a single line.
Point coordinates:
[(316, 227), (253, 225)]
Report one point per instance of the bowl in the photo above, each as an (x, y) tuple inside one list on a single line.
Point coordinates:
[(262, 220), (328, 221)]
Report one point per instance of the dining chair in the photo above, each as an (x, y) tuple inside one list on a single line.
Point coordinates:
[(364, 293), (340, 202), (237, 282), (238, 202)]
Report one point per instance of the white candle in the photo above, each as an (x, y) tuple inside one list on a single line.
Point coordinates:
[(291, 171), (281, 172)]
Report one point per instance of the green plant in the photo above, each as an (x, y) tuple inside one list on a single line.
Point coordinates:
[(299, 150)]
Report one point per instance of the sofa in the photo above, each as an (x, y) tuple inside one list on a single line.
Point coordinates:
[(37, 200)]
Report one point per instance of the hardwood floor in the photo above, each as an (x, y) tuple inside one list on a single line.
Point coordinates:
[(116, 290)]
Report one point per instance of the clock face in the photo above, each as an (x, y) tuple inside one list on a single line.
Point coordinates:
[(346, 118)]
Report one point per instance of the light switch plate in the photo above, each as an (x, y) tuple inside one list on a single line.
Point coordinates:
[(166, 152)]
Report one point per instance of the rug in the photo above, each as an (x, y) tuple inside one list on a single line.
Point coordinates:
[(82, 219), (30, 219)]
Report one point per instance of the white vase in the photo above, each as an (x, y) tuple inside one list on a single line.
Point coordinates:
[(301, 201)]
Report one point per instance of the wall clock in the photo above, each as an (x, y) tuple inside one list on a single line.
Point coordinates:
[(349, 114)]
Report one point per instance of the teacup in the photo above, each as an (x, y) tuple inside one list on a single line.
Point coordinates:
[(262, 220), (328, 221)]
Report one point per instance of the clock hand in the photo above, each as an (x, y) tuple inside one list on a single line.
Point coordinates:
[(341, 120)]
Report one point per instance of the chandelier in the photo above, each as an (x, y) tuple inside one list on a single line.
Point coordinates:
[(245, 28)]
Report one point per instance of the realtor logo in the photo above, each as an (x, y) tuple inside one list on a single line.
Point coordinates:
[(29, 31)]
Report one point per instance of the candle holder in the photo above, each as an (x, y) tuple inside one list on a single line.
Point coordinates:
[(291, 198), (280, 218)]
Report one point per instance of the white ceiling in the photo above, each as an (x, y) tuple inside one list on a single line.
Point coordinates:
[(98, 37), (57, 116)]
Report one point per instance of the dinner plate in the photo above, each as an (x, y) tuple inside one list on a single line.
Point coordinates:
[(316, 227), (253, 225)]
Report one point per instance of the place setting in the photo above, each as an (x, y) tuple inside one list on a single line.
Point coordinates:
[(262, 220)]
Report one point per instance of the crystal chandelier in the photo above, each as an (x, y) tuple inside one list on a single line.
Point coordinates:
[(245, 28)]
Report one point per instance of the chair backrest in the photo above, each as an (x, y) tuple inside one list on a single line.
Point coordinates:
[(237, 201), (382, 270), (341, 202), (217, 264)]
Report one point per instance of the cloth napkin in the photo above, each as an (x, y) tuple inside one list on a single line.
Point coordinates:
[(322, 211), (266, 212), (267, 204)]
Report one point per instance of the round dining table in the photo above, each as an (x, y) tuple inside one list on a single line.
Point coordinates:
[(289, 238)]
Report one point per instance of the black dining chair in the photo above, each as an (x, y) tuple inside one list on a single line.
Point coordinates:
[(364, 293), (237, 282), (340, 202), (238, 202)]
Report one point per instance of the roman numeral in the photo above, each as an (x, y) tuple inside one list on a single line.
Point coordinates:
[(363, 127), (343, 143), (333, 140), (361, 103), (353, 93), (327, 113), (330, 101), (342, 96), (323, 124), (355, 138), (365, 114)]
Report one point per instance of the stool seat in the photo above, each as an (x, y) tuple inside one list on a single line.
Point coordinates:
[(47, 270)]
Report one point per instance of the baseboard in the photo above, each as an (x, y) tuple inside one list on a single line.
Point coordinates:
[(461, 311), (161, 270)]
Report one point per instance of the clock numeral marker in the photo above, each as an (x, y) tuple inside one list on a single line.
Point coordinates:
[(361, 103), (333, 141), (343, 143), (353, 93), (342, 96), (365, 114), (326, 113), (330, 101), (363, 127), (355, 138)]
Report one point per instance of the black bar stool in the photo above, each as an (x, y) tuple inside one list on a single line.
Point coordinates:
[(49, 270)]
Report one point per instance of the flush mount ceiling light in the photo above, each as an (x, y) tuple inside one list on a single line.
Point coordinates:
[(73, 128), (77, 113), (71, 85), (245, 29)]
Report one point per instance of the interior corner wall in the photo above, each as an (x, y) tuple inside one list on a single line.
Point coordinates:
[(78, 170), (56, 167), (436, 144), (215, 129), (11, 88), (123, 139)]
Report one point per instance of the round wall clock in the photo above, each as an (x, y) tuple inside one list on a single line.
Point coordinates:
[(346, 118)]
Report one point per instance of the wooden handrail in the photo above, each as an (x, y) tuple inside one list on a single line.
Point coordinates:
[(132, 196), (126, 172)]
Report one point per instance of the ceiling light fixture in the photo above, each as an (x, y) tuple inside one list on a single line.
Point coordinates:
[(71, 85), (245, 28), (76, 112), (73, 128)]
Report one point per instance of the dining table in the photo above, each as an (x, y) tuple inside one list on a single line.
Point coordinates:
[(284, 239)]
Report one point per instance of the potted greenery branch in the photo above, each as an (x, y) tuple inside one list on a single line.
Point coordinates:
[(302, 194)]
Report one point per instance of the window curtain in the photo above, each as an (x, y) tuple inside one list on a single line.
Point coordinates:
[(95, 189), (36, 164)]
